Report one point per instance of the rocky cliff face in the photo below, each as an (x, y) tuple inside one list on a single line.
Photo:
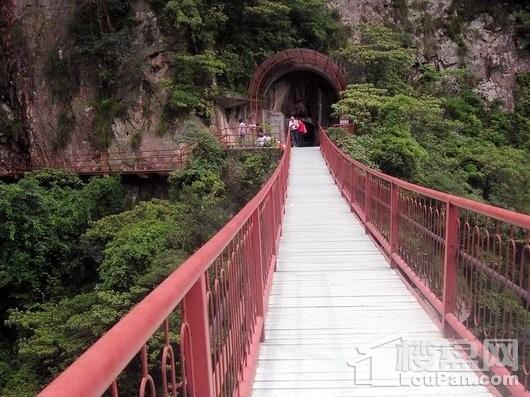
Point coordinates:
[(38, 30), (33, 119), (454, 33), (14, 143)]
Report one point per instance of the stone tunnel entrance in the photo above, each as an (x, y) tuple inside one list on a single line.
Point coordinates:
[(299, 82), (305, 95)]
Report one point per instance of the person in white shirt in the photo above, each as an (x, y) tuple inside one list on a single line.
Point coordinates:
[(293, 129), (261, 140), (242, 131)]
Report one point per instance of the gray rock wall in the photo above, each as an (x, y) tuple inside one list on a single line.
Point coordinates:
[(488, 46)]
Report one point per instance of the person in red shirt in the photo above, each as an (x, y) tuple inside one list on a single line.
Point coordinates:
[(302, 130)]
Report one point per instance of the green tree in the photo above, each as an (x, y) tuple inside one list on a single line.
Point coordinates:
[(383, 58), (74, 262)]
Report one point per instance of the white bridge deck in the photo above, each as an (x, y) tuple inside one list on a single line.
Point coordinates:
[(337, 309)]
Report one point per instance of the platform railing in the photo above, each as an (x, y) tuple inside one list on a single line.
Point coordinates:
[(115, 162), (146, 161), (248, 137), (199, 331), (470, 260)]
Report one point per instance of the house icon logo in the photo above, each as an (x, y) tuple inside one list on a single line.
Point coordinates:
[(395, 361), (381, 356)]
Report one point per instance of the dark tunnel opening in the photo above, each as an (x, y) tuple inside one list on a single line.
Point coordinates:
[(307, 96)]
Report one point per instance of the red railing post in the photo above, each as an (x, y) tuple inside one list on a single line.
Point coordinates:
[(354, 182), (367, 201), (349, 175), (259, 273), (104, 163), (394, 221), (195, 308), (274, 213), (450, 262)]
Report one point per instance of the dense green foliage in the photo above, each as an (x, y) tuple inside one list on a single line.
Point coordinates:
[(72, 262), (382, 56), (102, 34), (11, 130), (60, 72), (433, 130), (43, 216)]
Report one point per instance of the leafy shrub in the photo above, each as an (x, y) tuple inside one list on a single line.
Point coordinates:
[(522, 27), (396, 152), (60, 71), (383, 57), (65, 126), (105, 111), (522, 95), (102, 35)]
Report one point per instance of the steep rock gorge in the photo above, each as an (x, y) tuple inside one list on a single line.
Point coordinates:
[(51, 104), (55, 98)]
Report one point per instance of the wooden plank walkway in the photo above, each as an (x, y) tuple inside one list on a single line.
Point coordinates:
[(337, 309)]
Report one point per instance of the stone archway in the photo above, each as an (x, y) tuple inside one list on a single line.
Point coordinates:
[(295, 65)]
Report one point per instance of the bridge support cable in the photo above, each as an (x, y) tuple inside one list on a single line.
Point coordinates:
[(215, 301), (470, 260)]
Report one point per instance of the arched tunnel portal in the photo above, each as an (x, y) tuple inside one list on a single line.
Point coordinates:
[(299, 82)]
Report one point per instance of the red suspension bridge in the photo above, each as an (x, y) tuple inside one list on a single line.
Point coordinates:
[(330, 256), (341, 277)]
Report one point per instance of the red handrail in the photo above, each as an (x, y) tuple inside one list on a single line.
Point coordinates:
[(461, 254), (149, 161), (222, 290), (230, 136), (145, 161)]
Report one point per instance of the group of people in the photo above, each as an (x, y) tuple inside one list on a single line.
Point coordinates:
[(253, 130), (297, 130), (254, 135)]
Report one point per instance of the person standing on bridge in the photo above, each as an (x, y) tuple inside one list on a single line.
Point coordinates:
[(242, 131), (293, 129), (302, 130)]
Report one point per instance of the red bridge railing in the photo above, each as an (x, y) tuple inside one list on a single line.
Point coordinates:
[(202, 325), (146, 161), (470, 260), (232, 139)]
